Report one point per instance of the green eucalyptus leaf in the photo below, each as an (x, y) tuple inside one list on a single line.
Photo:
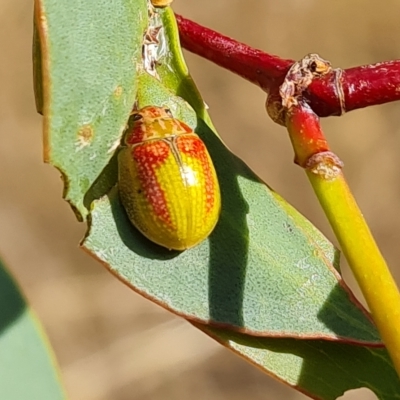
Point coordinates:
[(90, 51), (27, 367), (274, 281)]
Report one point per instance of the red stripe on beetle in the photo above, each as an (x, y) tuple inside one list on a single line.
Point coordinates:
[(149, 157)]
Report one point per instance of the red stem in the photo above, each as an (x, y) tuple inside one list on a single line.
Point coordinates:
[(362, 86)]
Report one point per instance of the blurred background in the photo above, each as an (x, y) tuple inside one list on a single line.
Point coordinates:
[(110, 342)]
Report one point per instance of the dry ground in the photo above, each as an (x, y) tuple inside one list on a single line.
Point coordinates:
[(111, 343)]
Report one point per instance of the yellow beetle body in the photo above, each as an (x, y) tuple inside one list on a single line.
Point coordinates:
[(167, 181)]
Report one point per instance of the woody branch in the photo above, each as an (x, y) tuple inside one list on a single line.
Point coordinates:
[(362, 86)]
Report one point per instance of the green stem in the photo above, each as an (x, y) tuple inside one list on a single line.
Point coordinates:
[(355, 239)]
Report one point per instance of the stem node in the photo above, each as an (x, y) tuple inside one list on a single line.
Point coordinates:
[(325, 164)]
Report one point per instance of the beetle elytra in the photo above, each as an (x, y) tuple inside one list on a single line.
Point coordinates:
[(167, 181)]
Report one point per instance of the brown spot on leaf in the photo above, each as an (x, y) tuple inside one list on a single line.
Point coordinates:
[(85, 135)]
